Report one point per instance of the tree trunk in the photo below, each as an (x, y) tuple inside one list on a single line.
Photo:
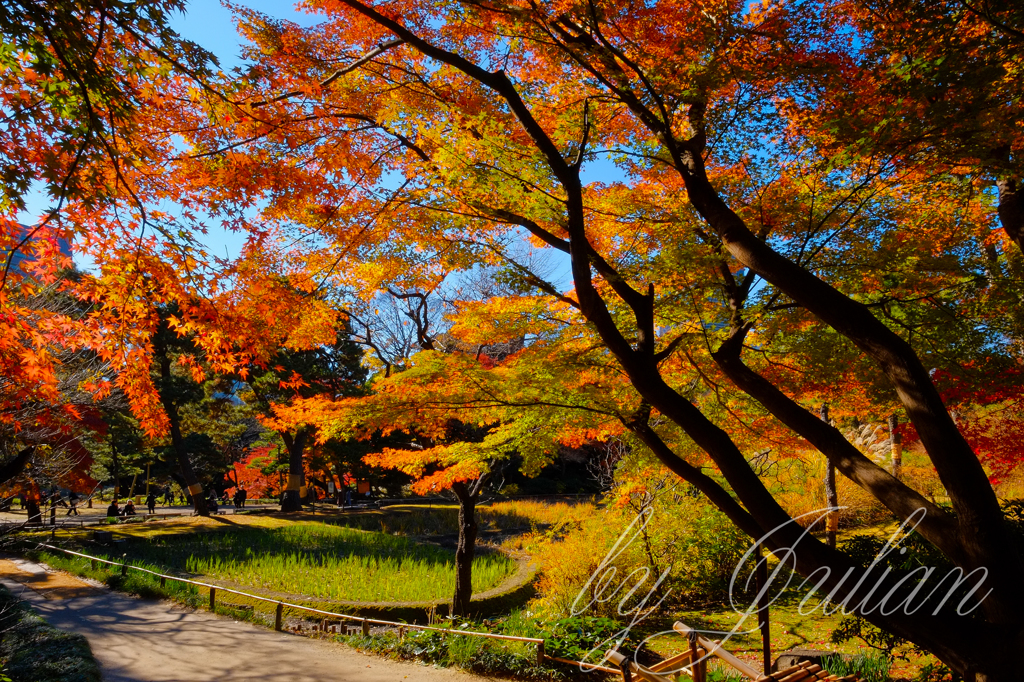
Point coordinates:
[(831, 494), (114, 468), (895, 447), (1011, 210), (195, 488), (292, 499), (465, 550), (35, 516), (340, 473)]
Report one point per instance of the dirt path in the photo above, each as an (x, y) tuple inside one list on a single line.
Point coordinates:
[(138, 640)]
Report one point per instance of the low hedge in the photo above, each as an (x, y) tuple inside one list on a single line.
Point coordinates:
[(31, 650)]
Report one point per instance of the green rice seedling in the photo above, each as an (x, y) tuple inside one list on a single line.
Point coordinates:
[(872, 667), (321, 561)]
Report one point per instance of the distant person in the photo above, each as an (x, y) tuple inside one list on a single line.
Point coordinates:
[(151, 503), (73, 504), (243, 495), (168, 496), (113, 510), (348, 497), (129, 508)]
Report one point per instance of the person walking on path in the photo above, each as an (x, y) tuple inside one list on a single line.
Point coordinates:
[(151, 503), (72, 504)]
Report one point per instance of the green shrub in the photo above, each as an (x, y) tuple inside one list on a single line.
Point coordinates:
[(723, 673), (33, 651), (476, 654), (573, 638)]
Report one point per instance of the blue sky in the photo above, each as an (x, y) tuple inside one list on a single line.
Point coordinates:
[(209, 23)]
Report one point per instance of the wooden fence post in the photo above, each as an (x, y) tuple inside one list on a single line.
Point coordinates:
[(696, 661), (277, 618), (93, 562), (366, 628), (124, 568), (213, 597), (163, 581), (540, 653)]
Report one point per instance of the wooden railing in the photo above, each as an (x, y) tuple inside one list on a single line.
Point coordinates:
[(281, 605), (694, 663)]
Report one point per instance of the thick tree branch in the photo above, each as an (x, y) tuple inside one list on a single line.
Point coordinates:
[(959, 468), (937, 527), (11, 469)]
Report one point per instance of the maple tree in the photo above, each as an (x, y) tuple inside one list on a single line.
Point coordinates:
[(40, 426), (447, 421), (738, 231), (76, 78), (332, 370), (257, 473), (89, 121)]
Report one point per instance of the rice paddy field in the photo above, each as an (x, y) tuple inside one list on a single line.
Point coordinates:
[(321, 561)]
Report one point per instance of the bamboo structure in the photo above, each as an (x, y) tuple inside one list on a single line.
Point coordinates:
[(801, 672)]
